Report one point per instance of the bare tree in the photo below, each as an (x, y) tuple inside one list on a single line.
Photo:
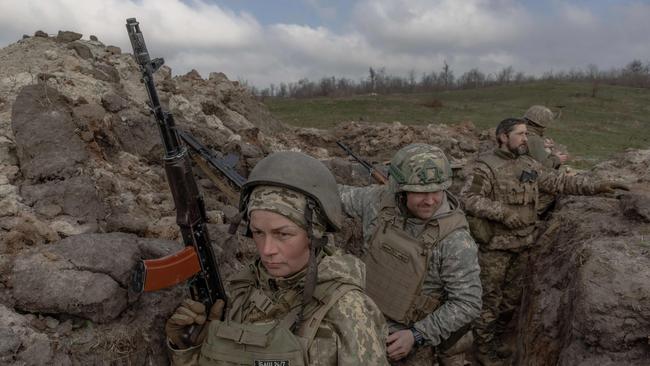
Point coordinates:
[(505, 75)]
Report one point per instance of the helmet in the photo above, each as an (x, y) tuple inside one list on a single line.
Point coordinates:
[(303, 174), (420, 168), (539, 115)]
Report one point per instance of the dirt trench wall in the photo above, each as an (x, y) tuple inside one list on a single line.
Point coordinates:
[(587, 300)]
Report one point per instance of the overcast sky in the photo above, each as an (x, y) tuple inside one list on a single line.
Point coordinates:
[(270, 41)]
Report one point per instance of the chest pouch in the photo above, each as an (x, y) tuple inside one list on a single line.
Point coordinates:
[(258, 344), (270, 343)]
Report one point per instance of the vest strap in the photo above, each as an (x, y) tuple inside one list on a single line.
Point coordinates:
[(310, 327), (242, 336), (261, 301)]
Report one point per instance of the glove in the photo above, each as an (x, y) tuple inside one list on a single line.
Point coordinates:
[(181, 328), (513, 221), (609, 187)]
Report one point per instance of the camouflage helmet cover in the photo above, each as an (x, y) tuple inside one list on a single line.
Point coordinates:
[(420, 168), (539, 115), (302, 173)]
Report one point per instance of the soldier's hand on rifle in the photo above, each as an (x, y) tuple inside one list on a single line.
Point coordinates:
[(191, 314), (513, 221), (609, 187)]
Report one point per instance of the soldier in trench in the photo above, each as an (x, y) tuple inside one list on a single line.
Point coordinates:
[(301, 302), (501, 198), (538, 118), (421, 262)]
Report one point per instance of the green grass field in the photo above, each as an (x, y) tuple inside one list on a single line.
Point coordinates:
[(593, 128)]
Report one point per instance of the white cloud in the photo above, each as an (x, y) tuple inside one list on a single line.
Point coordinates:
[(401, 35), (577, 15), (170, 23), (446, 23)]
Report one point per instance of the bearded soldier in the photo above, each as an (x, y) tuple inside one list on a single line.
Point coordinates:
[(300, 302), (501, 197), (421, 262)]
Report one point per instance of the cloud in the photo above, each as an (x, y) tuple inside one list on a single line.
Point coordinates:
[(169, 23), (577, 15), (452, 24), (400, 35)]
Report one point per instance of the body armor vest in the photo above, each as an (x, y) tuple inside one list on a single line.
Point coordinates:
[(397, 263), (275, 342), (516, 187)]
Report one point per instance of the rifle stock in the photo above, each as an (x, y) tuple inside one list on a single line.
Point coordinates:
[(197, 262)]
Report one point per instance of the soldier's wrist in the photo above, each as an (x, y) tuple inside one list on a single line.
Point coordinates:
[(418, 337)]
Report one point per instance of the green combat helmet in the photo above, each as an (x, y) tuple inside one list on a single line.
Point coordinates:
[(420, 168), (304, 174), (301, 173), (539, 115)]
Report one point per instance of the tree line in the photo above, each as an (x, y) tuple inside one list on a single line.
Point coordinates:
[(635, 74)]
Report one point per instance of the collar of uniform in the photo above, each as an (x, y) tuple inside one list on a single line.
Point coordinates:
[(277, 283), (505, 154), (269, 282)]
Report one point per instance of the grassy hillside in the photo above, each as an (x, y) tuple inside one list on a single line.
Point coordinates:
[(592, 128)]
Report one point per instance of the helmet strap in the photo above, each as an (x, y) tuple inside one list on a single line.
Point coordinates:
[(235, 221), (315, 246)]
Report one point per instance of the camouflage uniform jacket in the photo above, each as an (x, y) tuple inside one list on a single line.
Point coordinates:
[(490, 197), (536, 148), (353, 331), (453, 271)]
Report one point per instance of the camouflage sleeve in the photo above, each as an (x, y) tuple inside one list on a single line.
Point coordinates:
[(459, 273), (537, 151), (476, 195), (360, 331), (552, 181), (184, 357), (358, 201), (362, 203)]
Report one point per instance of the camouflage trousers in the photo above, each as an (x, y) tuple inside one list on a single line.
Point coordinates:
[(502, 277), (427, 356), (545, 203), (421, 356)]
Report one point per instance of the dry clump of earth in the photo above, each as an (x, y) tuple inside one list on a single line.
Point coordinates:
[(83, 197)]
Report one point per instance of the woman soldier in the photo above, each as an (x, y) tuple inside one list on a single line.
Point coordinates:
[(300, 302)]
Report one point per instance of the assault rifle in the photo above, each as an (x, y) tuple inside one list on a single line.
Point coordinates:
[(207, 160), (197, 262), (377, 174)]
